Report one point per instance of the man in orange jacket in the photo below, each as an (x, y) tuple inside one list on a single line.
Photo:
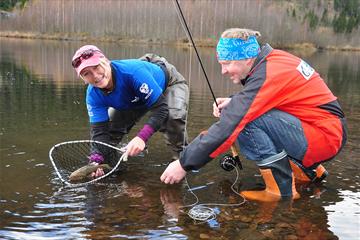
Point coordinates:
[(285, 118)]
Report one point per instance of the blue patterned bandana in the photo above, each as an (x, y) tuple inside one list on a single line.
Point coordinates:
[(237, 49)]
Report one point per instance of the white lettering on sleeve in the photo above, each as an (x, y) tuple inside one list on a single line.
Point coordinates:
[(305, 69)]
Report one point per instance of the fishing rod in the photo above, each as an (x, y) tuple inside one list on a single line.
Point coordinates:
[(201, 212), (189, 35), (235, 160)]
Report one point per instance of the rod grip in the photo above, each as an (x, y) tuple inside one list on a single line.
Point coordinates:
[(234, 151)]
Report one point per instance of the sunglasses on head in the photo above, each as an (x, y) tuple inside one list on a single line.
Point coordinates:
[(83, 56)]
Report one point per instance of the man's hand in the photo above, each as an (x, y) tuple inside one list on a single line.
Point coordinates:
[(173, 173), (135, 146), (222, 103)]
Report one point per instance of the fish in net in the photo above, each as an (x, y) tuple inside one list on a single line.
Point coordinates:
[(72, 157)]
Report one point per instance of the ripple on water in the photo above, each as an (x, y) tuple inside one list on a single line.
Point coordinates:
[(40, 231), (56, 225), (59, 205), (343, 217), (153, 234)]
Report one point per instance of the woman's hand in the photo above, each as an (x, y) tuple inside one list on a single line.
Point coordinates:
[(98, 173), (135, 146), (221, 103), (173, 173)]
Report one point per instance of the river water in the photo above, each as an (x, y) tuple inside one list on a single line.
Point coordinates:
[(42, 103)]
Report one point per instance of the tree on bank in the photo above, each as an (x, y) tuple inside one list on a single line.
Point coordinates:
[(330, 24), (8, 5), (349, 17)]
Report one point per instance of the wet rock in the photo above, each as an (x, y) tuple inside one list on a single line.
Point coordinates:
[(251, 234), (245, 219), (193, 227), (227, 217), (283, 225), (263, 227), (204, 236), (241, 225), (269, 234), (291, 237), (302, 232)]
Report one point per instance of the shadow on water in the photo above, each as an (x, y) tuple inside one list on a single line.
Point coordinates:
[(42, 103)]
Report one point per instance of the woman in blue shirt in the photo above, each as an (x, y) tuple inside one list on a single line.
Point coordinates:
[(120, 92)]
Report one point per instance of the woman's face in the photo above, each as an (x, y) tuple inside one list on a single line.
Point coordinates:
[(236, 70), (98, 76)]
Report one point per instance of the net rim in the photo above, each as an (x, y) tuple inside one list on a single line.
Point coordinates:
[(122, 158)]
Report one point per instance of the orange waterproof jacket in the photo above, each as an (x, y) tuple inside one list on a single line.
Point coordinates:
[(278, 80)]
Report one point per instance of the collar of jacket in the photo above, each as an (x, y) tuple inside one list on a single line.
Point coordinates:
[(265, 51)]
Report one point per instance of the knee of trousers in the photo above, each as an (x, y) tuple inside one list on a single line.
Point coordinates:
[(271, 133), (256, 144)]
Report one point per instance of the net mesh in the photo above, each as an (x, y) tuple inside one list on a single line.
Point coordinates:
[(70, 156)]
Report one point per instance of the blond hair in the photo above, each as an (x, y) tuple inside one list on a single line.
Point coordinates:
[(241, 33), (105, 63)]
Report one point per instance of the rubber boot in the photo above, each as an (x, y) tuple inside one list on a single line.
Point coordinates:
[(303, 174), (279, 182)]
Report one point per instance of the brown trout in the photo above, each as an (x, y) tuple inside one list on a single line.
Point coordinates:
[(85, 171)]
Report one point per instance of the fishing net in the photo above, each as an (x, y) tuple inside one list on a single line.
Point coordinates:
[(67, 157)]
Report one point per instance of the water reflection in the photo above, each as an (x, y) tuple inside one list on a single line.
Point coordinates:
[(42, 103), (341, 213)]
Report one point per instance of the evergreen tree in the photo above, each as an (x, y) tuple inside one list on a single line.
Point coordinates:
[(8, 5)]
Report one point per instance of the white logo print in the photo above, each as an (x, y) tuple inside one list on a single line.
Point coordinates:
[(147, 96), (144, 88), (305, 69), (136, 99), (89, 108)]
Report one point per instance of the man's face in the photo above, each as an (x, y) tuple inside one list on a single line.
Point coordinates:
[(236, 69), (98, 76)]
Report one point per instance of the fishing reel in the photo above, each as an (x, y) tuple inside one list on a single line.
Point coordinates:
[(228, 162)]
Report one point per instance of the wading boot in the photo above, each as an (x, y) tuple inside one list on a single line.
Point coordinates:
[(303, 174), (278, 178)]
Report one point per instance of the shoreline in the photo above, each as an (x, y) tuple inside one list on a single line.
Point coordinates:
[(179, 43)]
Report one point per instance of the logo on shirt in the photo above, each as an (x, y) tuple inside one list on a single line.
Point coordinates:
[(305, 69), (88, 106), (147, 96), (144, 88), (136, 99)]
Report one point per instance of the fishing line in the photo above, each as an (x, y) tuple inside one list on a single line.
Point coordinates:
[(201, 212)]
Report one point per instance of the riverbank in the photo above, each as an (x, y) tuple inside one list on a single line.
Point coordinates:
[(180, 42)]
